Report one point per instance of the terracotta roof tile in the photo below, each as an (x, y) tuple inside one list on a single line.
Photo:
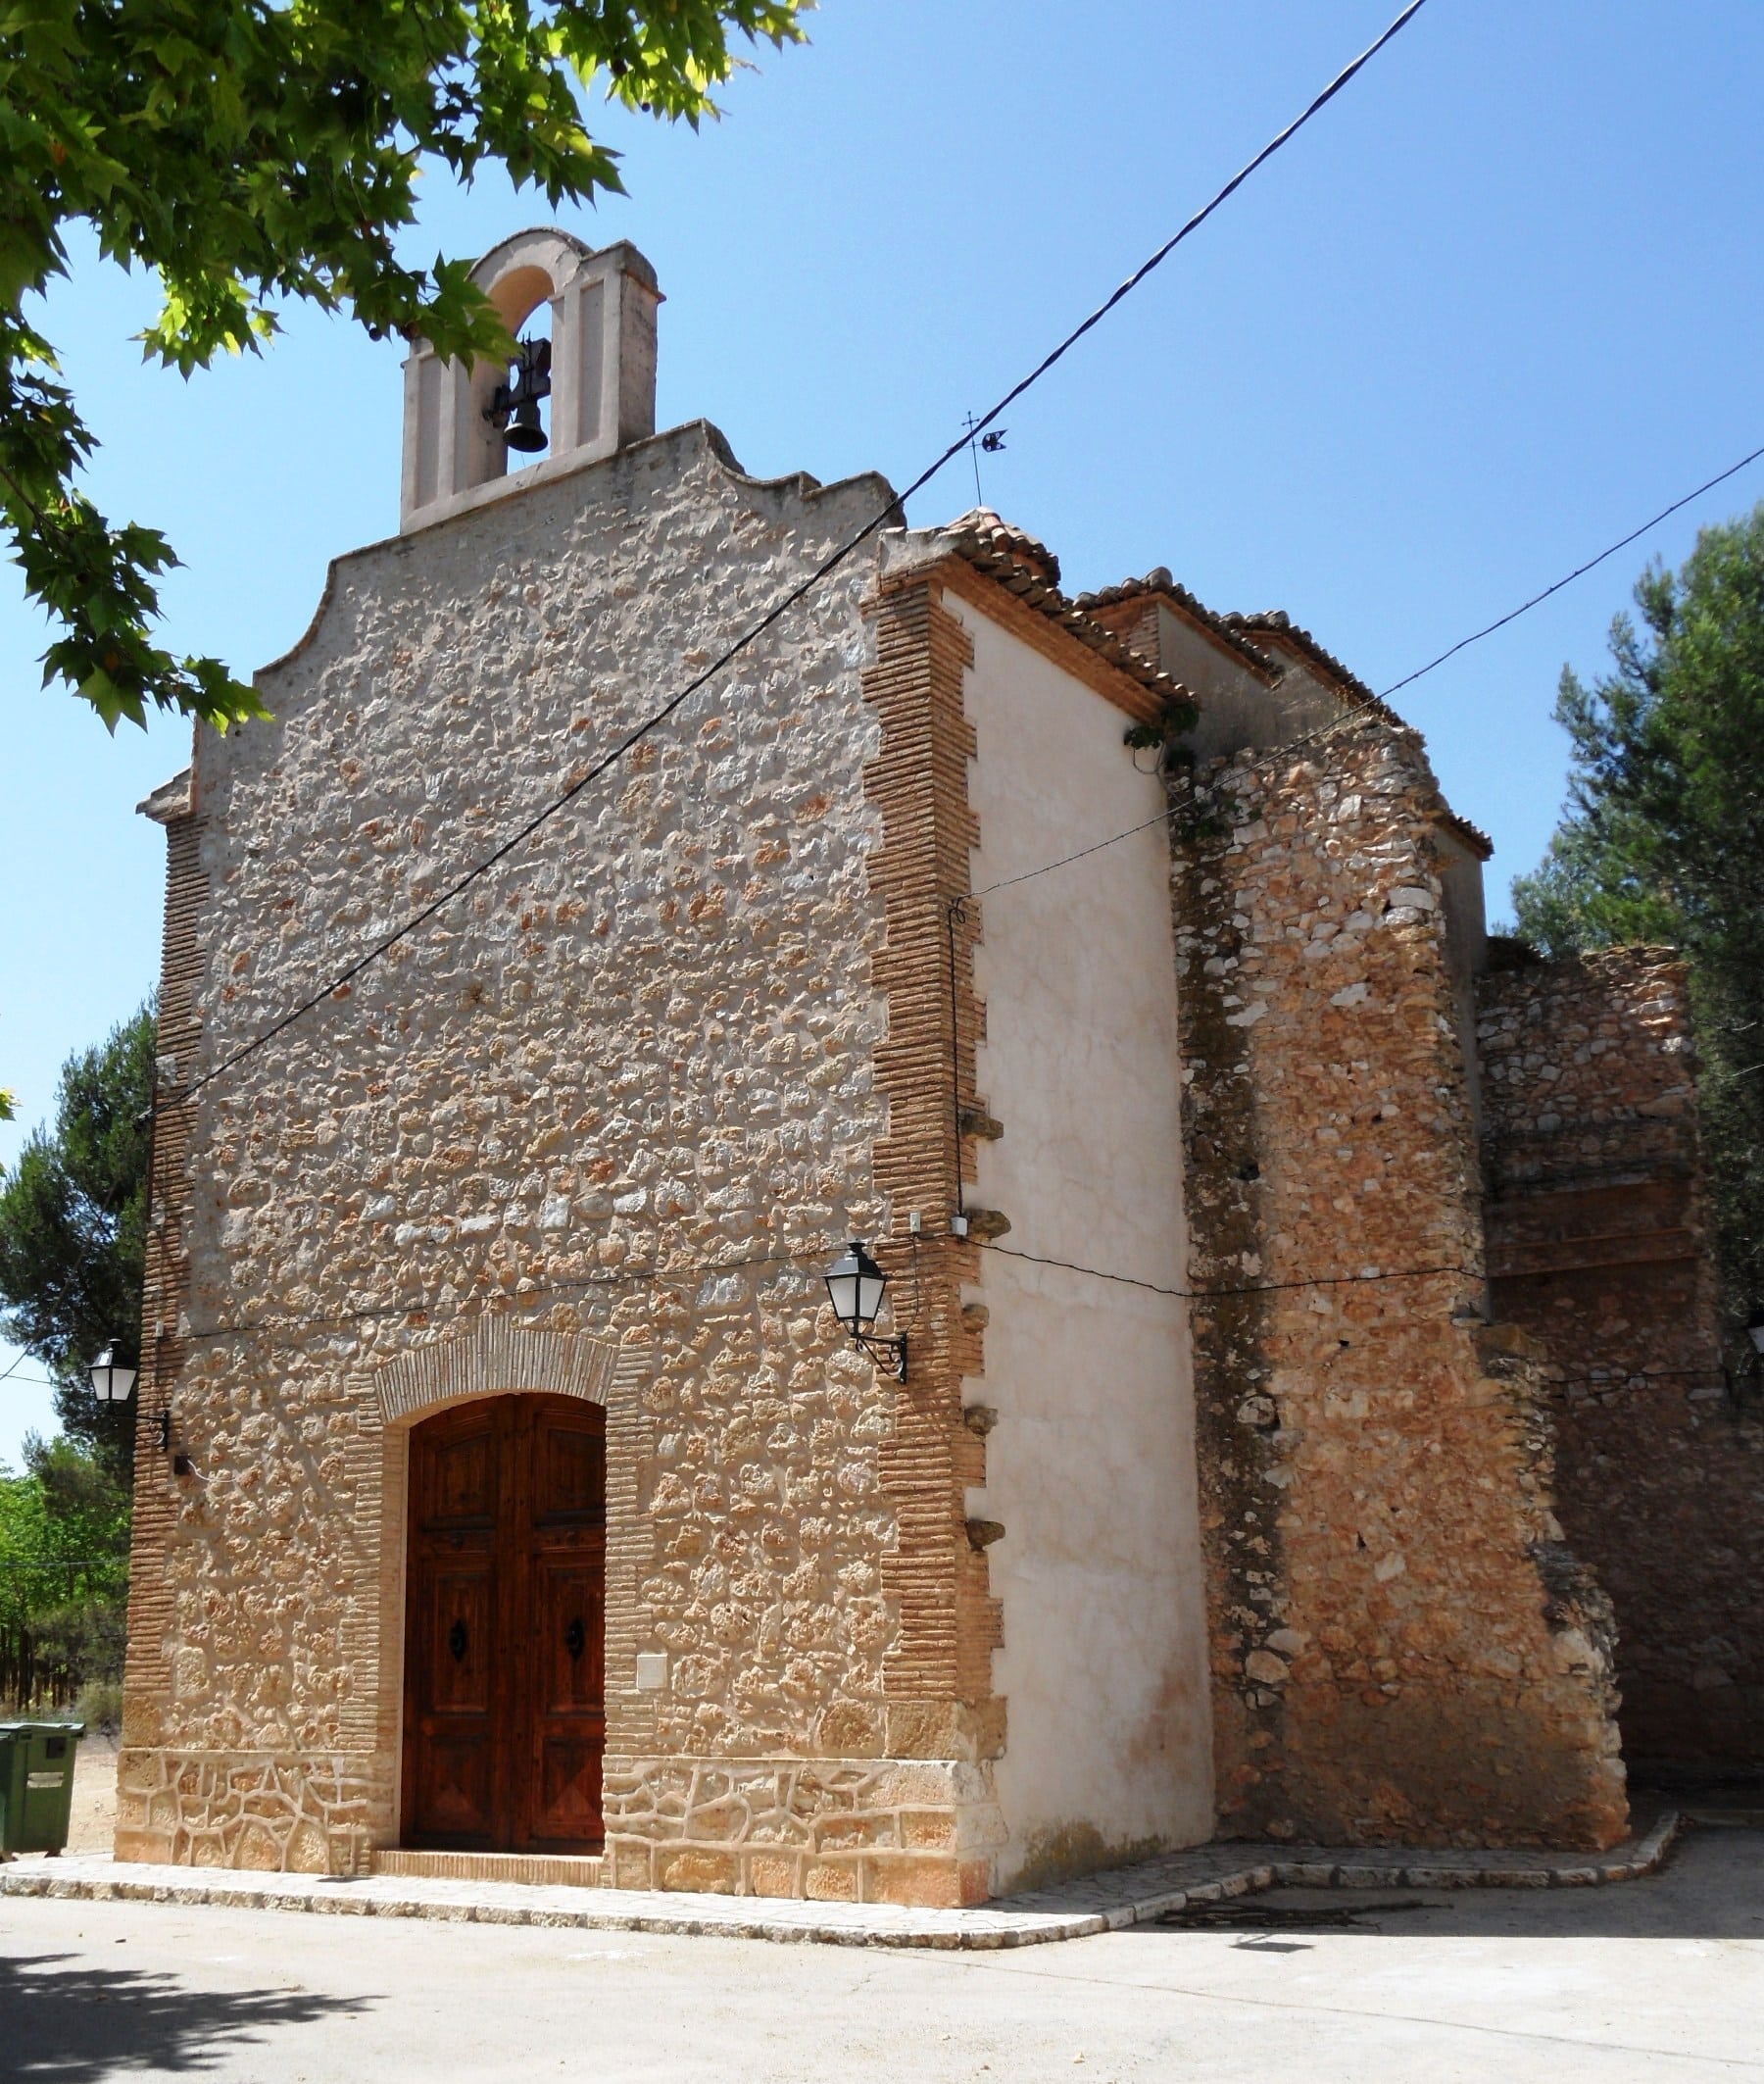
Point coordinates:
[(1473, 836), (1030, 571), (1007, 539), (1021, 564), (1159, 581), (1277, 625)]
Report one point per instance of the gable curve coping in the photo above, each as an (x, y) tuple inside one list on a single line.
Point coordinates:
[(495, 1358), (789, 498)]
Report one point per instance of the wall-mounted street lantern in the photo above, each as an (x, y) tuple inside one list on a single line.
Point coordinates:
[(114, 1381), (111, 1379), (855, 1286)]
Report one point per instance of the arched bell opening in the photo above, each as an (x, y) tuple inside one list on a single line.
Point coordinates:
[(512, 401), (505, 1626), (522, 401)]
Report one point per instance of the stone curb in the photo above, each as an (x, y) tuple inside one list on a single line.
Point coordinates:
[(1008, 1923)]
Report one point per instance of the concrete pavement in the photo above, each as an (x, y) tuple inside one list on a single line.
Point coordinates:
[(1106, 1902), (1660, 1978)]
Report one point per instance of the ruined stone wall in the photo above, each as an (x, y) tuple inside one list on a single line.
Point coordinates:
[(1403, 1649), (626, 1092), (1599, 1244)]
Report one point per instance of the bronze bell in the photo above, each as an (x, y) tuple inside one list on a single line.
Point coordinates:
[(523, 432)]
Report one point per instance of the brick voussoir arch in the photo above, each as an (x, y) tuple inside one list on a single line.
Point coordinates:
[(494, 1358)]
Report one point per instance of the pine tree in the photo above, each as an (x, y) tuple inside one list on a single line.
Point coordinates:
[(73, 1225)]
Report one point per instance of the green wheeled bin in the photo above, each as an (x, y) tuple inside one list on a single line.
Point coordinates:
[(36, 1784)]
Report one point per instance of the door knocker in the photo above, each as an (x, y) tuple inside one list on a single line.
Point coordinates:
[(456, 1640), (575, 1638)]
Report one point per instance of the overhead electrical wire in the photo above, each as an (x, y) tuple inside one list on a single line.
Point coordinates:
[(1568, 579), (814, 1253), (1066, 861), (788, 600), (12, 1374), (668, 1276), (661, 1276), (808, 1255), (1202, 1295)]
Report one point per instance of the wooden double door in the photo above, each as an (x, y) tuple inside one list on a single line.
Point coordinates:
[(504, 1627)]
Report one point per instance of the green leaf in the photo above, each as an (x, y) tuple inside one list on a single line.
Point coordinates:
[(255, 155)]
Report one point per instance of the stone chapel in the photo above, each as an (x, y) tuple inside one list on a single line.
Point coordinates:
[(1311, 1360)]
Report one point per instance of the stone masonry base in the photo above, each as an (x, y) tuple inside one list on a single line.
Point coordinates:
[(915, 1831), (908, 1831), (266, 1812)]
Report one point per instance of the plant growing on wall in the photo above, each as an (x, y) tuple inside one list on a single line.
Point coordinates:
[(1196, 813), (250, 153), (1166, 731)]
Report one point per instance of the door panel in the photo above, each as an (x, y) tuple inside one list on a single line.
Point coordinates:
[(568, 1808), (462, 1599), (504, 1690), (457, 1804), (452, 1787), (570, 1474), (568, 1632), (567, 1577), (460, 1479)]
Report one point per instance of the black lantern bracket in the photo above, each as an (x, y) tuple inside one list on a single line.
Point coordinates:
[(890, 1352)]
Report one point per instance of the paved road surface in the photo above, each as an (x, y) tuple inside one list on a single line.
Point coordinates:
[(1661, 1979)]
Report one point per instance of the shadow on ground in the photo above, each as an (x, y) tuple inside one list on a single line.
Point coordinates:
[(63, 2021), (1710, 1887)]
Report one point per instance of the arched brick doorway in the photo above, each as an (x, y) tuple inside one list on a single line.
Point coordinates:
[(504, 1627)]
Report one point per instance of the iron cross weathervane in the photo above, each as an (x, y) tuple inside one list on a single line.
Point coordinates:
[(991, 441)]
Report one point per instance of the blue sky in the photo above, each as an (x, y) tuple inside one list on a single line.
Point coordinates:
[(1495, 307)]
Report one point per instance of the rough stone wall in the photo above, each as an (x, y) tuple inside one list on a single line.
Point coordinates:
[(626, 1090), (1599, 1244), (1401, 1647)]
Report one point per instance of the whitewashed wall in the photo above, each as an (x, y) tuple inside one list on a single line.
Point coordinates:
[(1091, 1466)]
